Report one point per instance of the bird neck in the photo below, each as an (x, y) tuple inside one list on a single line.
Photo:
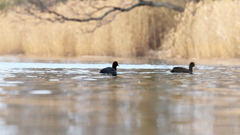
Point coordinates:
[(114, 67), (190, 69)]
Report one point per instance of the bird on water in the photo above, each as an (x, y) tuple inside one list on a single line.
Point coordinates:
[(111, 70), (184, 70)]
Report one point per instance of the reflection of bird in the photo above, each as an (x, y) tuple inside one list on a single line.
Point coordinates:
[(183, 70), (111, 70)]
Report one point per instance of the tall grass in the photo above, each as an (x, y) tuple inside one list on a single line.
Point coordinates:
[(131, 34), (66, 39), (209, 29)]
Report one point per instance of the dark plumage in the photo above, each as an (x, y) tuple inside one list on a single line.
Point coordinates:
[(111, 70), (183, 70)]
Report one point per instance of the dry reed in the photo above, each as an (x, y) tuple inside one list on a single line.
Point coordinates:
[(130, 34), (209, 29)]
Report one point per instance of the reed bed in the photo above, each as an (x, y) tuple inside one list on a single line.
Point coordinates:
[(134, 33), (209, 29)]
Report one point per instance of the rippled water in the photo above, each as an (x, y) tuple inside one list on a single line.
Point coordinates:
[(144, 99)]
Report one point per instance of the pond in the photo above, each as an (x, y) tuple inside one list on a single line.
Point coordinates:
[(73, 98)]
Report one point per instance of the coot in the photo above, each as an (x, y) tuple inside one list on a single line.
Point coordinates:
[(183, 70), (111, 70)]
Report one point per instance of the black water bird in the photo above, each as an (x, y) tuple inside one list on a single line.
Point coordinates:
[(111, 70), (184, 70)]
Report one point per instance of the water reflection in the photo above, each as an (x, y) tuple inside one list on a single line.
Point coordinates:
[(69, 99)]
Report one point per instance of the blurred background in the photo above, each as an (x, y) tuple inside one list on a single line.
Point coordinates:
[(51, 52), (206, 29)]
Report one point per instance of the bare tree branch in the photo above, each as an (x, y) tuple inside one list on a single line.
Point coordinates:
[(110, 9), (88, 11)]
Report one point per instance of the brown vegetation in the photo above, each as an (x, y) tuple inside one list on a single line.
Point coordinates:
[(130, 34), (208, 29)]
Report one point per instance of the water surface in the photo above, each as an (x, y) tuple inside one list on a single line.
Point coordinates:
[(74, 99)]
